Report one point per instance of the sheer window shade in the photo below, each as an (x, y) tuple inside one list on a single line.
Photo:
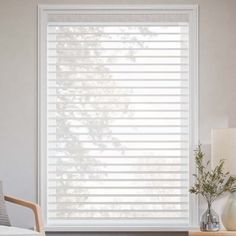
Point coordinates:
[(118, 118)]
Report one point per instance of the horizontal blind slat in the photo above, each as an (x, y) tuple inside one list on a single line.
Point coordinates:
[(157, 126), (122, 203), (115, 103), (114, 49), (138, 156), (101, 56), (111, 187), (121, 195), (115, 218), (99, 87), (117, 41), (87, 210), (112, 33), (116, 172), (116, 179), (123, 164)]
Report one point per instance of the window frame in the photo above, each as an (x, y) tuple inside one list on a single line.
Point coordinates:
[(43, 12)]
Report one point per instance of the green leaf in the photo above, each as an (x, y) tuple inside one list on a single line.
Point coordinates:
[(211, 184)]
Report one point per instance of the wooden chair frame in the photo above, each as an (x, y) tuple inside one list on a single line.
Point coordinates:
[(34, 207)]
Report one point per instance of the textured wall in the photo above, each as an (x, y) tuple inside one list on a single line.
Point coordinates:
[(18, 87)]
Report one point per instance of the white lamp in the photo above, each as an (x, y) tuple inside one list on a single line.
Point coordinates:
[(224, 147)]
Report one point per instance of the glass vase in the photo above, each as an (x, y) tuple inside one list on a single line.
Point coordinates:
[(209, 220)]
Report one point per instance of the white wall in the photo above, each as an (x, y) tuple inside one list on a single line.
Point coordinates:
[(18, 84)]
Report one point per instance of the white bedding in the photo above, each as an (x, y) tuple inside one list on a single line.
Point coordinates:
[(14, 231)]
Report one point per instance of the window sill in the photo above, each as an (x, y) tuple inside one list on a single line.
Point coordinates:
[(117, 229)]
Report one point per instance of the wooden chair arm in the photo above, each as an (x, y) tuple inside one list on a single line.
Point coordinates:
[(34, 207)]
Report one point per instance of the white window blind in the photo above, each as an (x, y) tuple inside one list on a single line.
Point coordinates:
[(118, 128)]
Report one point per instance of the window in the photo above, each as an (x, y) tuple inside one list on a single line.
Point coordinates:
[(118, 116)]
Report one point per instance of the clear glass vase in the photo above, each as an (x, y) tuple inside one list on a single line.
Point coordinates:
[(209, 220)]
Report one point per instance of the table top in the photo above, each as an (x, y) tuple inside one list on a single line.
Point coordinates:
[(217, 233)]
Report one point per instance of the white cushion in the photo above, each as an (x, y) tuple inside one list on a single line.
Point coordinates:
[(14, 231)]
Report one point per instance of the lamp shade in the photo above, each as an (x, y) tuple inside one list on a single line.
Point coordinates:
[(223, 146)]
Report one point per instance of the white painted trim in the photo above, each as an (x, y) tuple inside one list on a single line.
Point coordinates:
[(194, 210), (43, 11), (42, 16), (49, 7)]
